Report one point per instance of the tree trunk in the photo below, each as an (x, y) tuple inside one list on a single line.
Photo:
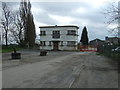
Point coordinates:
[(6, 39)]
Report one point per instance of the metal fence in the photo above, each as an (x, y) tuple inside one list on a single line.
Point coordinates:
[(90, 48), (108, 50)]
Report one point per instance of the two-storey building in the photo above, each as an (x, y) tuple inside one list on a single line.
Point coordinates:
[(58, 37)]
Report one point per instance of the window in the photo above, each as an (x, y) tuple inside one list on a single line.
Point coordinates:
[(42, 33), (42, 43), (71, 43), (56, 34), (61, 43), (71, 32), (50, 43)]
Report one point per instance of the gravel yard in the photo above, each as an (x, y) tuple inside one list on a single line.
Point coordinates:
[(59, 69), (30, 56)]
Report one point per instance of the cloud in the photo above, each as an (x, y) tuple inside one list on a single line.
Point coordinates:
[(61, 19), (80, 12), (75, 13)]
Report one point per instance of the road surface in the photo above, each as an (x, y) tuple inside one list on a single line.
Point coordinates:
[(63, 70)]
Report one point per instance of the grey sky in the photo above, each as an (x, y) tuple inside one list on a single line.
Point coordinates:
[(72, 13), (82, 13)]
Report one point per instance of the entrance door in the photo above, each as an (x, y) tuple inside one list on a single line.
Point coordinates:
[(55, 45)]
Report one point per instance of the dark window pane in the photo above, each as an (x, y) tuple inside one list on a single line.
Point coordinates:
[(56, 34)]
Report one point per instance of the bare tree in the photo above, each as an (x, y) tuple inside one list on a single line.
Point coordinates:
[(6, 20), (18, 32), (112, 14)]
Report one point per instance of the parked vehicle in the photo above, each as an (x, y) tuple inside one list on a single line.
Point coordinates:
[(116, 49)]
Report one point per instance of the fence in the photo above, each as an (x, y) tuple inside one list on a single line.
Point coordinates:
[(88, 48), (103, 49), (107, 51)]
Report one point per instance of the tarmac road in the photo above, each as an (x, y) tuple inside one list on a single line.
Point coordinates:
[(63, 70)]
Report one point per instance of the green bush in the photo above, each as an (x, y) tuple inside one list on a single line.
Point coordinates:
[(107, 51)]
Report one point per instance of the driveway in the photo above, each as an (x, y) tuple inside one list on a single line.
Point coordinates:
[(60, 70)]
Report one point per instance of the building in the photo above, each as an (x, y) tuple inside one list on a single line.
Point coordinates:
[(112, 40), (58, 37), (96, 42)]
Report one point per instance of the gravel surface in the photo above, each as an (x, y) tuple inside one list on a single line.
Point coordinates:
[(59, 69)]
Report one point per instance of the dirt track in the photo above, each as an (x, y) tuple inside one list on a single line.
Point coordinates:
[(60, 70)]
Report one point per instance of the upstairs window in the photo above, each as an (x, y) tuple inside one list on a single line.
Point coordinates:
[(71, 32), (56, 34), (42, 33)]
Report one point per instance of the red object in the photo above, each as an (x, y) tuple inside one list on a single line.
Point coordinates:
[(89, 48)]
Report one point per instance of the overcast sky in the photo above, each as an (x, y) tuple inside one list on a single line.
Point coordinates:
[(81, 13)]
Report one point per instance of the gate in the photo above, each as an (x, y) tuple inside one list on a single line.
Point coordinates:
[(89, 48)]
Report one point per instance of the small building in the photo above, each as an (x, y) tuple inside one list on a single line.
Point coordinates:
[(112, 40), (59, 37), (96, 42)]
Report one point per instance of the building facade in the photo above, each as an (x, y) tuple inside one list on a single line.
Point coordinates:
[(112, 40), (97, 42), (58, 37)]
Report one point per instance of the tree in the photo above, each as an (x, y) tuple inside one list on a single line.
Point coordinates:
[(28, 23), (112, 13), (17, 32), (6, 20), (84, 36)]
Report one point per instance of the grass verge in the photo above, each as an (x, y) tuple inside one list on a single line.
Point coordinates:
[(10, 48)]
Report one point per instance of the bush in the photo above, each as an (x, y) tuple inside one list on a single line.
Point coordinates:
[(107, 51)]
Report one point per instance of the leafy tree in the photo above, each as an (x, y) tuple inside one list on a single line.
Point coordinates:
[(28, 23), (84, 36)]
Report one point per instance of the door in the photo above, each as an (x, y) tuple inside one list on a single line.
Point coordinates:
[(55, 45)]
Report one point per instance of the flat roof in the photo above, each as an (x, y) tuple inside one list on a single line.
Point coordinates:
[(59, 26)]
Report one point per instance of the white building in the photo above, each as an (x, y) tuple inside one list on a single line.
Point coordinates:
[(58, 37)]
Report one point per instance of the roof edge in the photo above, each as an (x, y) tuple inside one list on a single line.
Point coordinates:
[(59, 26)]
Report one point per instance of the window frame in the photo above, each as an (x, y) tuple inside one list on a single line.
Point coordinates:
[(71, 43), (42, 43), (42, 33), (71, 32), (56, 34), (50, 43)]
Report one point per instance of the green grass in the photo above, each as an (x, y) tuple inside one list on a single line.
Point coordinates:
[(98, 53), (9, 49), (0, 51)]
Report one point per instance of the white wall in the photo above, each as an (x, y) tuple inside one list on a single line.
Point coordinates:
[(63, 37)]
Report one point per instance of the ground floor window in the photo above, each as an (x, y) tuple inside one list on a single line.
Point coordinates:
[(50, 43), (42, 43), (61, 43), (71, 43)]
